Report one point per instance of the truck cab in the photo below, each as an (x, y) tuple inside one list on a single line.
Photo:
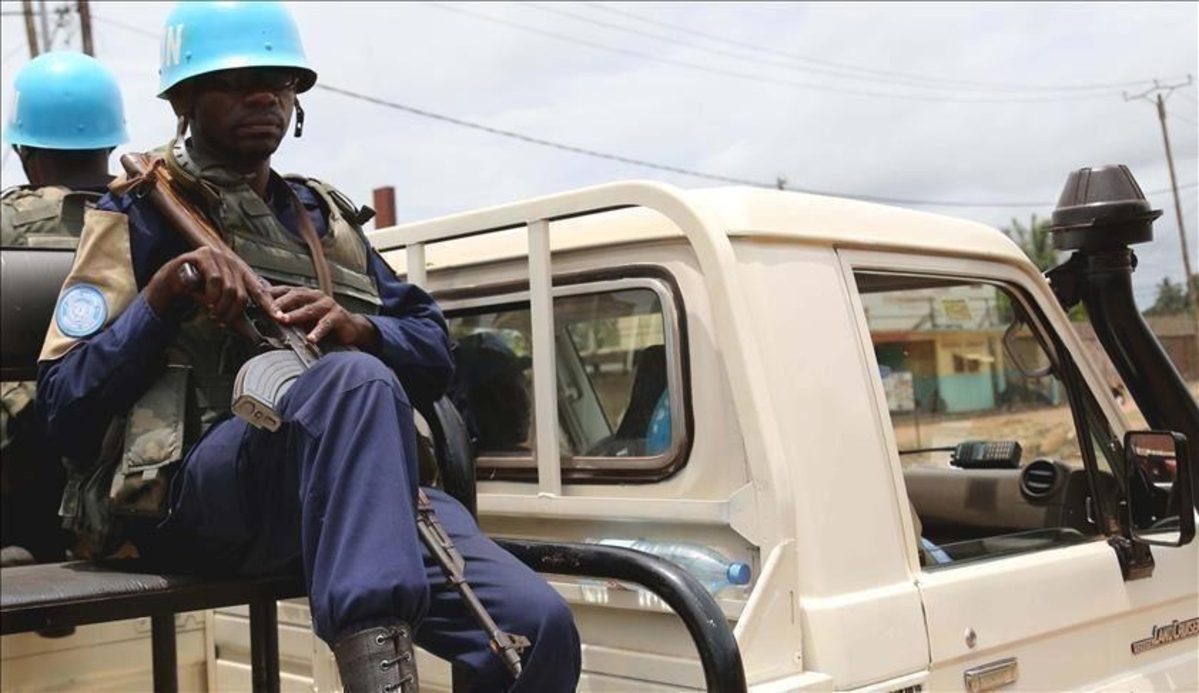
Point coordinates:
[(886, 413)]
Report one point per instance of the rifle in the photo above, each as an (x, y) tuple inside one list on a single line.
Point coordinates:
[(264, 379)]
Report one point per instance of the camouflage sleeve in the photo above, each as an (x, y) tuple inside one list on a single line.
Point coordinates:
[(102, 341)]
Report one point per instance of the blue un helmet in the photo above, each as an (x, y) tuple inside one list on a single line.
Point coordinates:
[(204, 37), (65, 100)]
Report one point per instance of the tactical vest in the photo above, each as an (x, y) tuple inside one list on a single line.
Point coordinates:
[(195, 389), (50, 216)]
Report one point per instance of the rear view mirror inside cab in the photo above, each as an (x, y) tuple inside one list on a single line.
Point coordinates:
[(1158, 471), (1024, 352)]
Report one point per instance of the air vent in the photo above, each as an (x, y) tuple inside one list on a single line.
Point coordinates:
[(1040, 479)]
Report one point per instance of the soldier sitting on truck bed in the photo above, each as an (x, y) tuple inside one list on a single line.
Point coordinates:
[(139, 364), (66, 120)]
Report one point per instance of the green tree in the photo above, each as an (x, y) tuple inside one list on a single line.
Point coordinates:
[(1171, 299), (1036, 240)]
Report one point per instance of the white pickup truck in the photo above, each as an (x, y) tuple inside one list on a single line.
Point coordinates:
[(887, 414)]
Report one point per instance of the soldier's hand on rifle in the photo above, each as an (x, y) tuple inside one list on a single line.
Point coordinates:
[(323, 317), (217, 280)]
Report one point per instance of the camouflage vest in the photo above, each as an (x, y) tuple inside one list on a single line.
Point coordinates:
[(49, 217), (142, 449)]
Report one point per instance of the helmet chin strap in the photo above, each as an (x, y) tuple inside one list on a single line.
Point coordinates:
[(181, 124), (299, 118)]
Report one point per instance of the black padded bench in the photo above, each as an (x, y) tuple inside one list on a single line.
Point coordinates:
[(61, 595)]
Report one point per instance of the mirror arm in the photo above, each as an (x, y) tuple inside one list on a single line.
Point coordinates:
[(1136, 560), (1064, 280)]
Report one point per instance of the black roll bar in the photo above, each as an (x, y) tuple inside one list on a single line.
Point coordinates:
[(718, 650)]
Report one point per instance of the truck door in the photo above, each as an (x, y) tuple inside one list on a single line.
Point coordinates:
[(992, 430)]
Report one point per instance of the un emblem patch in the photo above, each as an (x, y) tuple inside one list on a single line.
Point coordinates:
[(81, 311)]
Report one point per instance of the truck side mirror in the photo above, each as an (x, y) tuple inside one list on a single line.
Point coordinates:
[(1157, 469)]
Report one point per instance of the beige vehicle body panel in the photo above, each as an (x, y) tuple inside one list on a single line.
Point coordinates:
[(792, 464)]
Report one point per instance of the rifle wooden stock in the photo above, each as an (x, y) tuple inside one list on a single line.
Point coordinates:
[(156, 184)]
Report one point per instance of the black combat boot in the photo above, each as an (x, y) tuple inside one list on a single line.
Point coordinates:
[(378, 660)]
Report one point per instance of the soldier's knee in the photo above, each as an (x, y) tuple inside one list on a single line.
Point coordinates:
[(341, 371), (548, 623), (556, 658), (557, 623), (355, 365)]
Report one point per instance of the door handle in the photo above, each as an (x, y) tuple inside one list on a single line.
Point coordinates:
[(991, 675)]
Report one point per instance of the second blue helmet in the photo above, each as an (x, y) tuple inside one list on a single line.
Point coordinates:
[(65, 100)]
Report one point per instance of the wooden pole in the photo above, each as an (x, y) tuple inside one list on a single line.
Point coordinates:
[(30, 29), (1191, 284), (85, 26), (44, 20)]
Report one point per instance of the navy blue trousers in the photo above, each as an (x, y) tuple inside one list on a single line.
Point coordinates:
[(335, 487)]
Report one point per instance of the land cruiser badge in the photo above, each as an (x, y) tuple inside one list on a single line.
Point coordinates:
[(1164, 635)]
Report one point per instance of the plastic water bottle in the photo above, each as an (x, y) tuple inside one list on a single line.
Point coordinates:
[(710, 567)]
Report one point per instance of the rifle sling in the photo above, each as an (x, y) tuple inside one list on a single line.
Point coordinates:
[(324, 276)]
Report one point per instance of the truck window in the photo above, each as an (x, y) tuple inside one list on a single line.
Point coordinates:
[(981, 418), (618, 389)]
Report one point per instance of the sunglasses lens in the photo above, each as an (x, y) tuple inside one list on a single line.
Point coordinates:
[(250, 80)]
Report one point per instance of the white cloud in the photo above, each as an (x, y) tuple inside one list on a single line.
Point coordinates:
[(472, 69)]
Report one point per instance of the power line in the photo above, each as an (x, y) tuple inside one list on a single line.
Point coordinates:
[(789, 65), (1175, 116), (665, 167), (128, 27), (420, 112), (850, 91), (864, 70)]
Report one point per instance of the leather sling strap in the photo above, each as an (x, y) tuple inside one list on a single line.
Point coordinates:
[(324, 276)]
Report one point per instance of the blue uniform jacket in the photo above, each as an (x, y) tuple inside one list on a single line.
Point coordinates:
[(104, 374)]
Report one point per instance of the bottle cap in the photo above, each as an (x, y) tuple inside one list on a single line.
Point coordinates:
[(738, 574)]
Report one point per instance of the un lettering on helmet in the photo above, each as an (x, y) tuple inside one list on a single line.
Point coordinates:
[(172, 45)]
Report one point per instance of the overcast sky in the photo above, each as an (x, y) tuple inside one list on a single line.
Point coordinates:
[(943, 102)]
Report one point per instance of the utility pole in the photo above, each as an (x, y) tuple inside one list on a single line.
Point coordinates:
[(85, 26), (1160, 93), (30, 29), (44, 19)]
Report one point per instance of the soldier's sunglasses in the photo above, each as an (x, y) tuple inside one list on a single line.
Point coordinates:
[(249, 79)]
